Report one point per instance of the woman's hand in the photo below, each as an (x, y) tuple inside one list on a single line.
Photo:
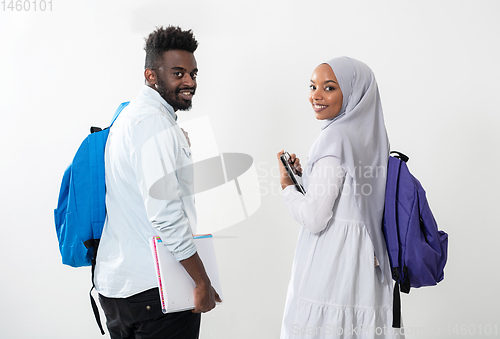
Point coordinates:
[(295, 163)]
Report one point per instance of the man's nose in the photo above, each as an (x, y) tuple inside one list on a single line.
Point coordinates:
[(188, 81)]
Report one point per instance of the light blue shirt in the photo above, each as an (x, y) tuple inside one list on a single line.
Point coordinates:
[(149, 192)]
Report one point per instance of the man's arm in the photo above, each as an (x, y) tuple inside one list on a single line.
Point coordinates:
[(155, 157), (205, 295)]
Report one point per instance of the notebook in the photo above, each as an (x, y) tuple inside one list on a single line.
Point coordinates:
[(175, 284)]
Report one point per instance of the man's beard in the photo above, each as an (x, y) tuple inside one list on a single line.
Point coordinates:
[(172, 97)]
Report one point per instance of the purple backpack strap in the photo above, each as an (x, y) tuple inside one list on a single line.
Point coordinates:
[(390, 227), (390, 217)]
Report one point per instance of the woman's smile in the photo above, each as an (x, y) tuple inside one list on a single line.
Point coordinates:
[(318, 108)]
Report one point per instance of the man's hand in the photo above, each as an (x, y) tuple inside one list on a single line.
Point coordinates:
[(205, 298), (204, 294)]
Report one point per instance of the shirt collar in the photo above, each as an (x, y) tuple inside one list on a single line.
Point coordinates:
[(150, 92)]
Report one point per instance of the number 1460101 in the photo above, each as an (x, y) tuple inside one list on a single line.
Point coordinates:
[(27, 5)]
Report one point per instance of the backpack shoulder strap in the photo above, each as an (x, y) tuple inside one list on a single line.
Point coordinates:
[(392, 233), (97, 144), (118, 111), (390, 215)]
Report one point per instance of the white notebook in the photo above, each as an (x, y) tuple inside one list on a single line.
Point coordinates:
[(175, 284)]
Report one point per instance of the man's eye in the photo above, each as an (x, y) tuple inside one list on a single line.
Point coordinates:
[(178, 74), (194, 75)]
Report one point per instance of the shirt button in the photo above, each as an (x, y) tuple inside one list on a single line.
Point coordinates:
[(148, 307)]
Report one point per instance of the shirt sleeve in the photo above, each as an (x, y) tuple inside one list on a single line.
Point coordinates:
[(315, 209), (155, 159)]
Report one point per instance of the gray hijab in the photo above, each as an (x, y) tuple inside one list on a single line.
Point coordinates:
[(357, 136)]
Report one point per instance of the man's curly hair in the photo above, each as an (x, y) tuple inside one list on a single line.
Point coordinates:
[(167, 39)]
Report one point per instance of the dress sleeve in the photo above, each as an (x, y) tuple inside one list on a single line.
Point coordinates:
[(315, 209), (155, 157)]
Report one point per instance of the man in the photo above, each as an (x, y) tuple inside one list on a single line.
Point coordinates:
[(149, 192)]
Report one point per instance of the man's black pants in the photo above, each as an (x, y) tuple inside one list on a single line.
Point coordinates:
[(140, 317)]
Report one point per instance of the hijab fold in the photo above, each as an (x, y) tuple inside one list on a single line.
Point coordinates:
[(357, 136)]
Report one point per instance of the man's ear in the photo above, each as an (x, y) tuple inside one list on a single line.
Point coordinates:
[(150, 76)]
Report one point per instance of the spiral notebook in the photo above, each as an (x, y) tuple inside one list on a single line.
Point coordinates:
[(175, 284)]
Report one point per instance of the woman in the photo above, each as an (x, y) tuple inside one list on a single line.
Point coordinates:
[(341, 282)]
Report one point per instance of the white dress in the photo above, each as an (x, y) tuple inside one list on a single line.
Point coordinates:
[(335, 291)]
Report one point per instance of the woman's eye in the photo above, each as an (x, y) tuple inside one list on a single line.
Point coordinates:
[(329, 88), (312, 87)]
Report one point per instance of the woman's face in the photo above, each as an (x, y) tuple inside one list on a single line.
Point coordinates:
[(325, 96)]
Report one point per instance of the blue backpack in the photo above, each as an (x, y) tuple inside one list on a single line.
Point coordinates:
[(81, 207), (417, 249)]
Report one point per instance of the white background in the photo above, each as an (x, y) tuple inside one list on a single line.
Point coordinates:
[(436, 63)]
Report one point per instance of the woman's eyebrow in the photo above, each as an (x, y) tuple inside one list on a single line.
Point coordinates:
[(325, 82)]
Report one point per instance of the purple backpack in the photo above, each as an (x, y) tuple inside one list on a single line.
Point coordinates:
[(417, 249)]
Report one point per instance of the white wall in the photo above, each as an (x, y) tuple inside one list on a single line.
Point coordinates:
[(436, 65)]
